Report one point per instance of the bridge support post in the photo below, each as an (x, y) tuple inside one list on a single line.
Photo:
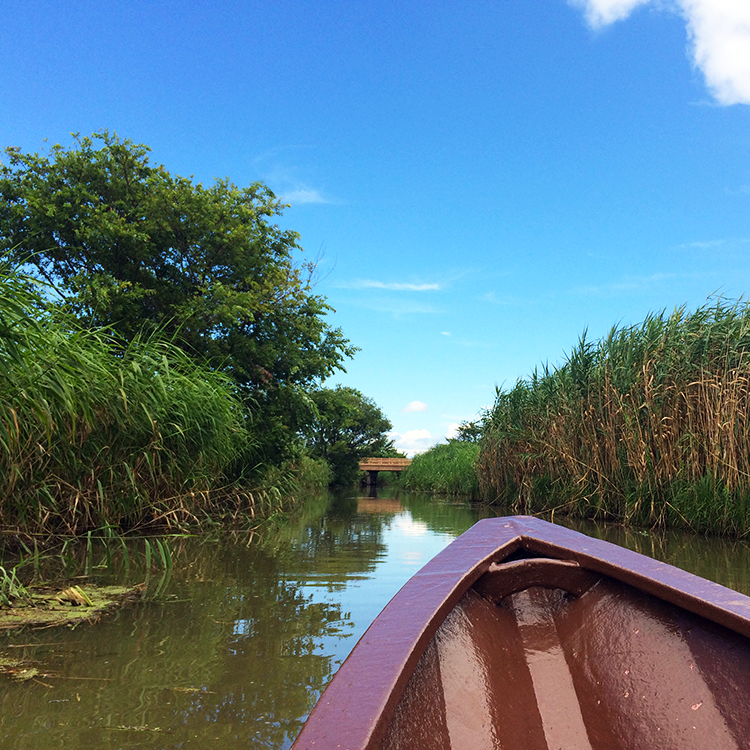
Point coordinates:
[(373, 465)]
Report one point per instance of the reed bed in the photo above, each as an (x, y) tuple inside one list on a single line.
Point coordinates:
[(647, 426), (446, 468), (96, 431)]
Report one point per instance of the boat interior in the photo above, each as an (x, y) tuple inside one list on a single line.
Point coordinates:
[(543, 654)]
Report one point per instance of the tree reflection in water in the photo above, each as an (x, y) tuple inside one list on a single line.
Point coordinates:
[(234, 653)]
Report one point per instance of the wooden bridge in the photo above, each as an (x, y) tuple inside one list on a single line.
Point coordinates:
[(373, 465)]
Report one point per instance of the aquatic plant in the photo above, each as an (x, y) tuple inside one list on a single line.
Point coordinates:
[(446, 468), (649, 425), (11, 588)]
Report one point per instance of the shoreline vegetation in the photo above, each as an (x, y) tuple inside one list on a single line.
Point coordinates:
[(445, 469), (96, 431), (162, 352), (649, 426)]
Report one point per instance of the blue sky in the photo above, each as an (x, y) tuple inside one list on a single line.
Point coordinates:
[(479, 181)]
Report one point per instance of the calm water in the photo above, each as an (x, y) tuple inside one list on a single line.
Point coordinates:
[(234, 648)]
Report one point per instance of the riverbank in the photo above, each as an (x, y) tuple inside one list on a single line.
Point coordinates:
[(102, 433)]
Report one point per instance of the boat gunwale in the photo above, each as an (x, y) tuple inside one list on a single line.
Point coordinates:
[(354, 711)]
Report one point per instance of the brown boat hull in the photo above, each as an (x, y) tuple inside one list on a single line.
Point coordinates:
[(522, 634)]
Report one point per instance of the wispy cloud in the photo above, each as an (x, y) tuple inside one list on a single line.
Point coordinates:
[(395, 306), (626, 284), (394, 286), (445, 333), (505, 300), (415, 406), (301, 195), (712, 244), (280, 169), (719, 34), (701, 245)]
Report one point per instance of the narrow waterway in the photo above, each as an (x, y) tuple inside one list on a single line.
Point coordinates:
[(233, 648)]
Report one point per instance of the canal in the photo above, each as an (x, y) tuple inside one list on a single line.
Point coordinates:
[(232, 648)]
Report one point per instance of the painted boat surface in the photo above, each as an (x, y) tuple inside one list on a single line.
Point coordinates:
[(522, 635)]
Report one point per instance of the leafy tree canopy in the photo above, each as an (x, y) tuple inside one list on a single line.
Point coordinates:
[(349, 426), (470, 432), (126, 243)]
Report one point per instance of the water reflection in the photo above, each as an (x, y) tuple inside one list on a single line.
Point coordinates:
[(726, 561), (382, 506), (236, 648)]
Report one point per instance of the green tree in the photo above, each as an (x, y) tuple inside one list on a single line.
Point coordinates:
[(470, 432), (128, 244), (349, 426)]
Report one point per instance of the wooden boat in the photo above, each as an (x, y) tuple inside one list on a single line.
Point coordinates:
[(523, 634)]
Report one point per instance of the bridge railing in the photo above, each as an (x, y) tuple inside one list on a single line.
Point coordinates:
[(384, 464)]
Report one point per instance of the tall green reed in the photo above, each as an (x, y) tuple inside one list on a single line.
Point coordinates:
[(11, 588), (649, 425), (97, 431), (446, 468)]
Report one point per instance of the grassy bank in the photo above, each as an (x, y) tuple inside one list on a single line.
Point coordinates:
[(648, 425), (96, 431), (448, 469)]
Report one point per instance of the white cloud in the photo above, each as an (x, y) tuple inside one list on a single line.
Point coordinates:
[(412, 441), (282, 168), (602, 12), (395, 286), (452, 430), (728, 245), (445, 333), (719, 34), (415, 406)]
